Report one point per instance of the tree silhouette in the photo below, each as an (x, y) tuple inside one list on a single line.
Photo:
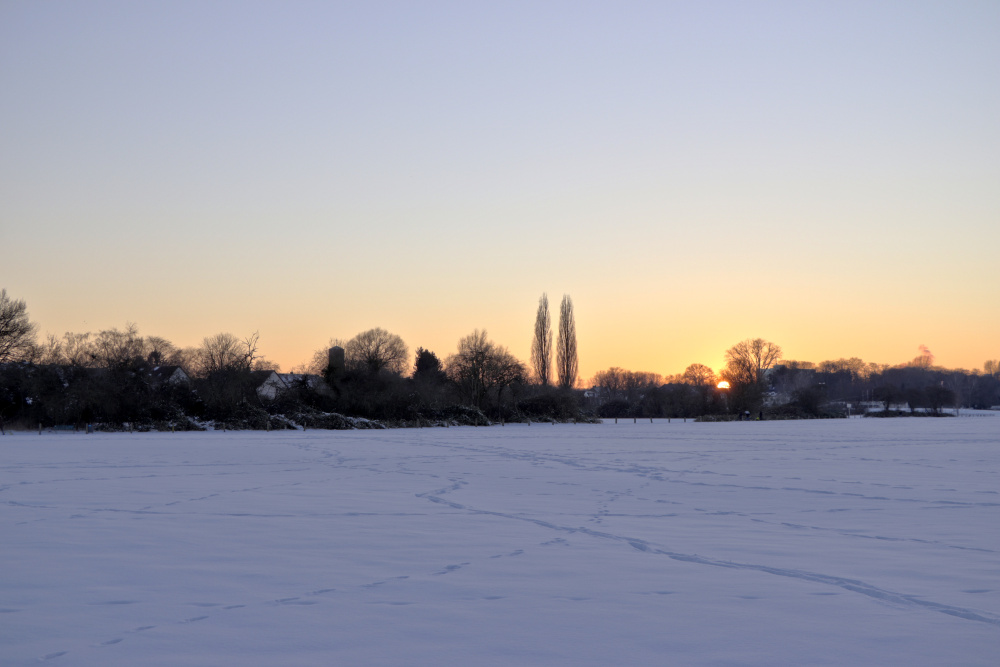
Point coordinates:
[(376, 350), (541, 344), (566, 356), (17, 333), (747, 361)]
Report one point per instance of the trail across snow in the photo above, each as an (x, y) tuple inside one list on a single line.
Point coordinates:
[(863, 542)]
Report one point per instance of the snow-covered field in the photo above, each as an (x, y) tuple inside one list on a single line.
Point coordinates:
[(848, 542)]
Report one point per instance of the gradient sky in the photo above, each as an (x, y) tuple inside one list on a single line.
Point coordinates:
[(825, 175)]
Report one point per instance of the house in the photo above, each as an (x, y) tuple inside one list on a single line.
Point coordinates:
[(169, 375), (292, 379), (267, 384)]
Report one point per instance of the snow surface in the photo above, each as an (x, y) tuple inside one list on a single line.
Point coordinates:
[(848, 542)]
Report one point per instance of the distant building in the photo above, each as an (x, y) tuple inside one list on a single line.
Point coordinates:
[(171, 375), (336, 364), (267, 384)]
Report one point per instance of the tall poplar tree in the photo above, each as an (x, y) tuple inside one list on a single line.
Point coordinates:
[(566, 358), (541, 345)]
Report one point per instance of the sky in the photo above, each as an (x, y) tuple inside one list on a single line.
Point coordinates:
[(823, 175)]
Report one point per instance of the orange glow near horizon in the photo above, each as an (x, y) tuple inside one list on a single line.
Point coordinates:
[(723, 385), (459, 208)]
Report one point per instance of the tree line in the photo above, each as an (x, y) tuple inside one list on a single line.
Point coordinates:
[(117, 376), (758, 383)]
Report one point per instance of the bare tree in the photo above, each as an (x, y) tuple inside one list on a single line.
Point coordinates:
[(226, 352), (541, 344), (566, 356), (376, 350), (78, 350), (480, 366), (225, 365), (699, 375), (940, 397), (189, 358), (610, 383), (638, 382), (747, 361), (617, 383), (703, 382), (807, 365), (49, 351), (160, 351), (222, 352), (116, 349), (504, 371), (923, 360), (250, 357), (468, 367), (17, 332)]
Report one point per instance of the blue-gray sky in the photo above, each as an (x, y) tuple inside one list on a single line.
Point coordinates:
[(821, 174)]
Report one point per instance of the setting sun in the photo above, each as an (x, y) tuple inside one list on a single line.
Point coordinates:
[(723, 385)]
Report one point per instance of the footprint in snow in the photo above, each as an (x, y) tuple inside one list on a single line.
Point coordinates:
[(451, 568)]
